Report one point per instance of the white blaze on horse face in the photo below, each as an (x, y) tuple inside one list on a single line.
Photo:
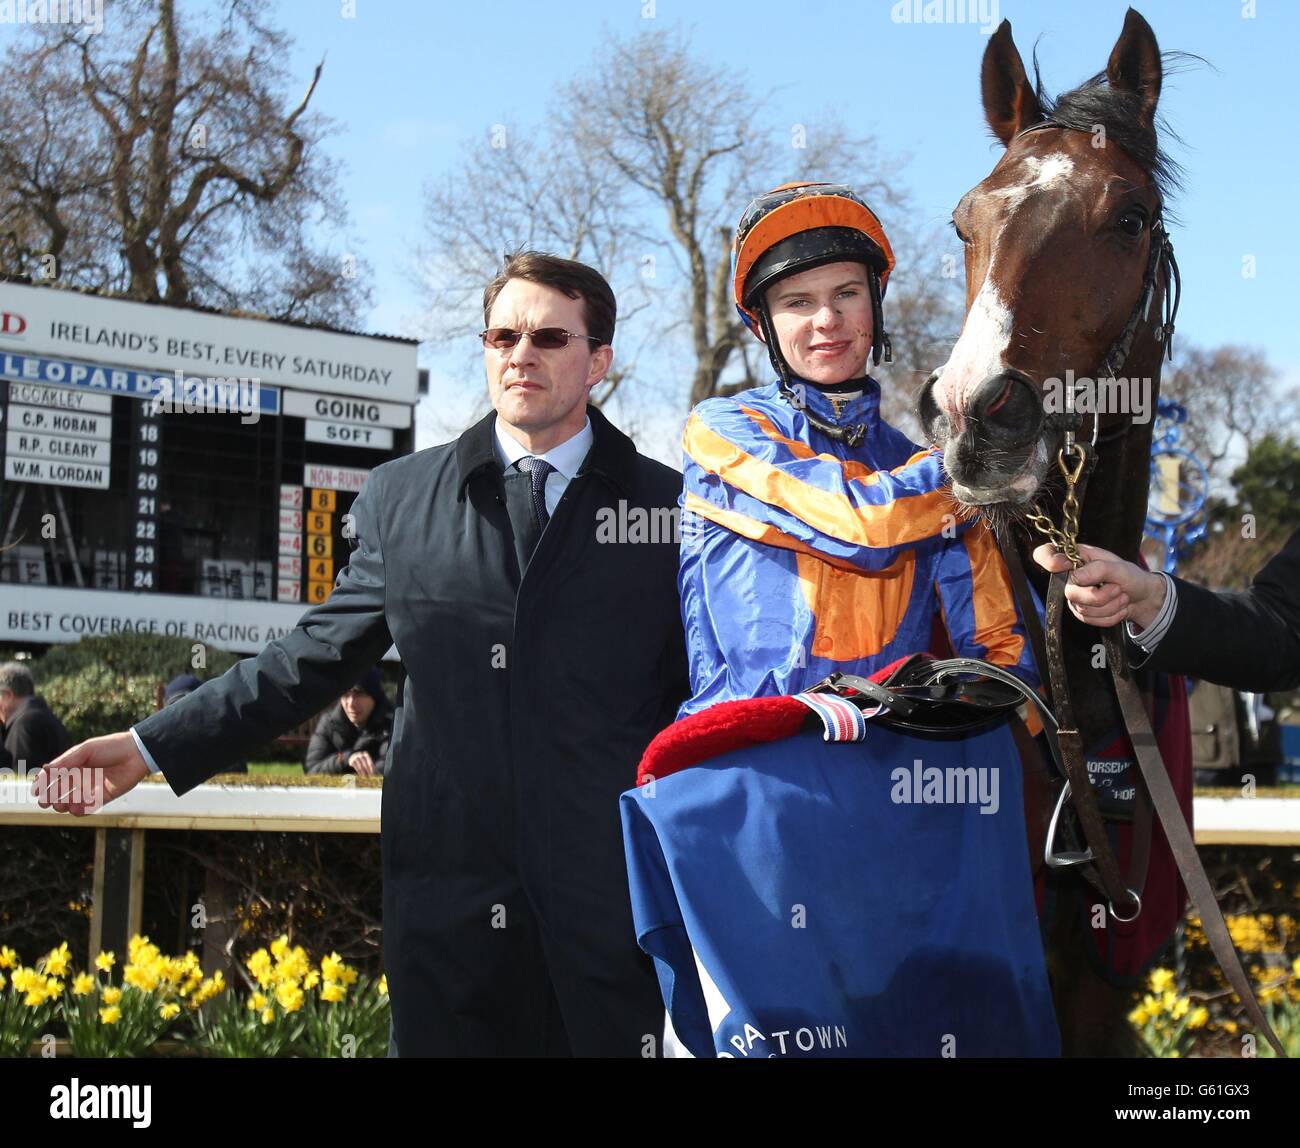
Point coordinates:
[(986, 335), (979, 352)]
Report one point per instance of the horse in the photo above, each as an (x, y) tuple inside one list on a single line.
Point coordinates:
[(1066, 281)]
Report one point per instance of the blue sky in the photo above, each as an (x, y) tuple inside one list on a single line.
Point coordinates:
[(409, 80)]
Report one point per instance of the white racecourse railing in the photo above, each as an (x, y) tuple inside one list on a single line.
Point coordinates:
[(337, 807)]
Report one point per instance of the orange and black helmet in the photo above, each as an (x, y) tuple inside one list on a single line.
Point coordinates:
[(799, 226)]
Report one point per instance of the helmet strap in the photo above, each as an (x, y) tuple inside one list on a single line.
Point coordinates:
[(880, 343)]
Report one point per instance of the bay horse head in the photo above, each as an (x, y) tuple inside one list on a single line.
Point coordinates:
[(1064, 248)]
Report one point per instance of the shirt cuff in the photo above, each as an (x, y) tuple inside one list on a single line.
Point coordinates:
[(1147, 640), (144, 753)]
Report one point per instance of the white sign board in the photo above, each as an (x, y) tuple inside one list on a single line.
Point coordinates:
[(53, 420), (145, 336), (35, 395), (333, 477), (345, 434), (52, 446), (61, 614), (51, 473), (332, 408)]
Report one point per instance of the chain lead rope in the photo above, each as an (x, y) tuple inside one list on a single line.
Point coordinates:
[(1065, 539)]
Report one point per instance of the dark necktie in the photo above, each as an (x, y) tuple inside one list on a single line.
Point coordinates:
[(537, 470)]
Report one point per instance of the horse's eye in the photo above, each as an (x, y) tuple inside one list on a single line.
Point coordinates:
[(1132, 222)]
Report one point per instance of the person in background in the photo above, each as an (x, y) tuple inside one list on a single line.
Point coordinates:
[(354, 734), (32, 734)]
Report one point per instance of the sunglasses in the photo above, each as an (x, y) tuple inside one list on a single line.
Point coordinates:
[(544, 339)]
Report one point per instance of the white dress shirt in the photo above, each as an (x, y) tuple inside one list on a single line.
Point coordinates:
[(565, 458), (1147, 640)]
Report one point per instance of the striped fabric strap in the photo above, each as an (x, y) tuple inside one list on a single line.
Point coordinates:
[(843, 721)]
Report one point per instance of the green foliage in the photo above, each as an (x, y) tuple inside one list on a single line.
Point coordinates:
[(227, 1027), (133, 655), (356, 1026), (101, 685), (95, 700), (1268, 482)]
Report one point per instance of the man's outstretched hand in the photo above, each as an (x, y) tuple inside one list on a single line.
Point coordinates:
[(1106, 589), (90, 774)]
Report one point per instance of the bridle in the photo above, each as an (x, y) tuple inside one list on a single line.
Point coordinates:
[(1095, 857)]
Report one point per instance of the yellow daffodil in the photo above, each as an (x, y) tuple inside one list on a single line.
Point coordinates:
[(280, 946), (105, 961), (331, 966), (333, 992), (35, 997), (311, 980), (1295, 968), (1138, 1016), (1200, 1017), (1160, 980), (112, 995), (110, 1015), (259, 964), (57, 960), (2, 980), (143, 977), (169, 1010), (141, 950), (1180, 1008), (348, 975), (83, 983), (383, 985), (268, 1015), (290, 997), (8, 958), (257, 1002)]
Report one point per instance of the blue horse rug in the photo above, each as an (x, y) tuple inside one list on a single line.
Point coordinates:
[(804, 897)]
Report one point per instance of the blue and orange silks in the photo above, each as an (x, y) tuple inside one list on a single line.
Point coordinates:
[(797, 897), (802, 556)]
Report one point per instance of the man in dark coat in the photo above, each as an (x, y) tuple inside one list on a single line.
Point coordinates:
[(1249, 641), (354, 734), (525, 574), (32, 734)]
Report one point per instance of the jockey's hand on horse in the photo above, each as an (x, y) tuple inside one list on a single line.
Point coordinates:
[(88, 776), (1106, 589)]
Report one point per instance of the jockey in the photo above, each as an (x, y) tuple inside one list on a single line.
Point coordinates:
[(815, 536), (798, 897)]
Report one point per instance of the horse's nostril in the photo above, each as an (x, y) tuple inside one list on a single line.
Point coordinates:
[(1000, 401), (932, 419), (1006, 409)]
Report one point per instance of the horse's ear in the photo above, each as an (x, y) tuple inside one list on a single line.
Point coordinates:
[(1134, 64), (1010, 104)]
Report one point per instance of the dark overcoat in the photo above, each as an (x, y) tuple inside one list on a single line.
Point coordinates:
[(528, 701)]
